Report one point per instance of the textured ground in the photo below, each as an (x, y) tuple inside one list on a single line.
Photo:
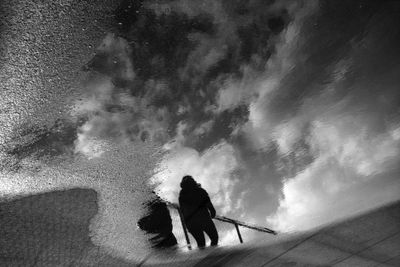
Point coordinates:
[(51, 229)]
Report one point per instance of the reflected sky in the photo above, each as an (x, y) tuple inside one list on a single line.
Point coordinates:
[(286, 112)]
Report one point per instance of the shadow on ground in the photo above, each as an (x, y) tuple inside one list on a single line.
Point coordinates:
[(51, 229)]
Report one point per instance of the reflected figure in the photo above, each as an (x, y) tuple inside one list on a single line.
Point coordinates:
[(158, 222), (197, 211)]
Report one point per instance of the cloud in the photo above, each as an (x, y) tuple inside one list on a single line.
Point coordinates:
[(286, 56), (235, 92), (257, 89), (336, 113), (327, 191), (203, 128), (350, 150), (88, 146), (109, 111)]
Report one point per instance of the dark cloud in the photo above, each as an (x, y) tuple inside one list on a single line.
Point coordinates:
[(328, 37), (192, 50)]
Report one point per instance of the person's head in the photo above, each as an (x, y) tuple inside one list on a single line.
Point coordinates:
[(188, 182)]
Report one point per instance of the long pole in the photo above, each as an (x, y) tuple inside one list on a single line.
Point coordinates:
[(257, 228), (238, 232), (184, 229)]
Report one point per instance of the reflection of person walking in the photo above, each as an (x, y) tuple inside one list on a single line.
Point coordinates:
[(158, 222), (197, 211)]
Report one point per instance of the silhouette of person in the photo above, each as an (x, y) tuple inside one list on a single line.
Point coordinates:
[(198, 211), (158, 222)]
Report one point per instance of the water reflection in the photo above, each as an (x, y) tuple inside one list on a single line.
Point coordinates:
[(287, 112), (159, 223)]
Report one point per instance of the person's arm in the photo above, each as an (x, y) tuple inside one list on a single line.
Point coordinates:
[(183, 207), (180, 202), (210, 207)]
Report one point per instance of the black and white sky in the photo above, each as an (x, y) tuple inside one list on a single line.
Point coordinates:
[(286, 112)]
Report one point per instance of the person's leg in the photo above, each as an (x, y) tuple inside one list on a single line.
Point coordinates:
[(168, 240), (211, 231), (198, 236)]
